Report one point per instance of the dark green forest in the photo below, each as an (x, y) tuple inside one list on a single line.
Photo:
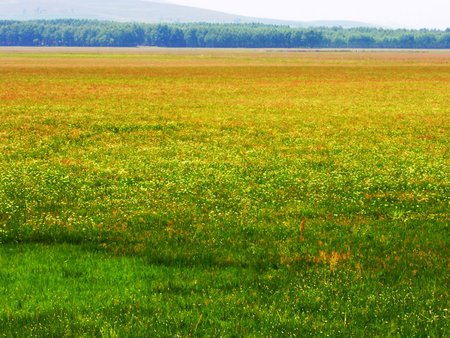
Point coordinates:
[(113, 34)]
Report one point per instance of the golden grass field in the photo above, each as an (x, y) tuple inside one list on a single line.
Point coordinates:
[(224, 192)]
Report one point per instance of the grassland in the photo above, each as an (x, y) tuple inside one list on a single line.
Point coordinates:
[(224, 193)]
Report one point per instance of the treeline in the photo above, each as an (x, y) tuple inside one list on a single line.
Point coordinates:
[(113, 34)]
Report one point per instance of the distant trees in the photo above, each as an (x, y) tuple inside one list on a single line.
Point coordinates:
[(113, 34)]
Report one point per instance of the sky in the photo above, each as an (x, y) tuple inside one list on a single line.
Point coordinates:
[(389, 13)]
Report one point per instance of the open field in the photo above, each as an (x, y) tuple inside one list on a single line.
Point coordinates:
[(224, 193)]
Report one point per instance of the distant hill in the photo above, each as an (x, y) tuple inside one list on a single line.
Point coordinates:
[(136, 10)]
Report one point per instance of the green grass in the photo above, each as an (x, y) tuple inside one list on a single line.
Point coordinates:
[(165, 196)]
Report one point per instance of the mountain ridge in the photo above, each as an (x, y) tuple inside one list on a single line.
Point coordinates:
[(139, 11)]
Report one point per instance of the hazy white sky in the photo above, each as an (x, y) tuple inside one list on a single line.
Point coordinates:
[(405, 13)]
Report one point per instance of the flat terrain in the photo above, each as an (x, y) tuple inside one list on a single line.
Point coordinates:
[(153, 192)]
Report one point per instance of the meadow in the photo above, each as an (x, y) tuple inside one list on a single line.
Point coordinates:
[(157, 192)]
